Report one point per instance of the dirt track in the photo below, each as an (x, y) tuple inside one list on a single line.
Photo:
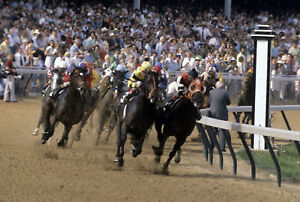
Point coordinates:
[(33, 172)]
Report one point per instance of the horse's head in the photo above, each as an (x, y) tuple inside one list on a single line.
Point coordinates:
[(249, 80), (150, 86), (196, 92), (118, 82), (77, 80)]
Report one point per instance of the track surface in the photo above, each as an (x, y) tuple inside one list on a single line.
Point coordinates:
[(33, 172)]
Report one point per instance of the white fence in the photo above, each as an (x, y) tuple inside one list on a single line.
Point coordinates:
[(245, 128)]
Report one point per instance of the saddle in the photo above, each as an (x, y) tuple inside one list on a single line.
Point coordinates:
[(170, 104)]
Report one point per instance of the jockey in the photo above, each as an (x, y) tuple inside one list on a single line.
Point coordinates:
[(66, 81), (183, 82), (92, 76), (121, 67), (138, 75), (136, 79), (59, 70), (163, 79)]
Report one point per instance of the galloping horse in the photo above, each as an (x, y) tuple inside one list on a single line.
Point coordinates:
[(56, 80), (179, 121), (136, 117), (67, 108), (107, 104)]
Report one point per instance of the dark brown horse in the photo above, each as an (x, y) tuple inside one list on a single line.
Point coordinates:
[(67, 108), (56, 80), (246, 97), (136, 117), (179, 121), (107, 104)]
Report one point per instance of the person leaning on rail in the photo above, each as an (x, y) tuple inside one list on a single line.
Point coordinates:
[(218, 101)]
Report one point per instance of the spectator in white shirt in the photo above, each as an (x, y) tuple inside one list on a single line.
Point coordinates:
[(75, 60), (20, 59), (188, 62), (50, 54)]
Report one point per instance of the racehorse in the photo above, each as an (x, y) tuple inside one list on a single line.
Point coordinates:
[(67, 108), (179, 121), (107, 104), (246, 97), (136, 116), (210, 85), (56, 80)]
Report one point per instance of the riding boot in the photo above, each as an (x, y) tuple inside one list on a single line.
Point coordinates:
[(44, 89), (128, 95)]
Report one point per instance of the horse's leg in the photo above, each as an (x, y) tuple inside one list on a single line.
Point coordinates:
[(245, 117), (112, 124), (101, 121), (121, 139), (177, 146), (137, 146), (178, 156), (64, 137), (238, 115), (47, 124), (158, 151), (82, 123), (36, 130)]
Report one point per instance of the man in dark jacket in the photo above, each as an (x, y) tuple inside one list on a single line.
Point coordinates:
[(218, 100)]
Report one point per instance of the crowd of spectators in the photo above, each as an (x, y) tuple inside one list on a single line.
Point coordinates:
[(59, 33)]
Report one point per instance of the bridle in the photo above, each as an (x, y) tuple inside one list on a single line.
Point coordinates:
[(191, 92)]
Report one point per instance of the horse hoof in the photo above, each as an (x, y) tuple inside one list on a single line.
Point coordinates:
[(157, 159), (35, 132), (120, 162), (157, 151), (43, 141), (177, 160), (165, 171), (60, 144), (135, 152), (77, 138)]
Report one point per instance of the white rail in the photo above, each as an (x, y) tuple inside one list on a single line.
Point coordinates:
[(271, 132), (245, 128), (249, 108)]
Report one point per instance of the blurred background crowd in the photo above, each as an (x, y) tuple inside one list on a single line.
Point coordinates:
[(47, 34)]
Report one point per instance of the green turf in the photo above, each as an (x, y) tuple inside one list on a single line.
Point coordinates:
[(288, 158)]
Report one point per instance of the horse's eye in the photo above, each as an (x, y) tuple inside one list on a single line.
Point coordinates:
[(192, 87)]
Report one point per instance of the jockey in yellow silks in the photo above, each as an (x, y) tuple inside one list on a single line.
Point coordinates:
[(138, 74), (135, 80)]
